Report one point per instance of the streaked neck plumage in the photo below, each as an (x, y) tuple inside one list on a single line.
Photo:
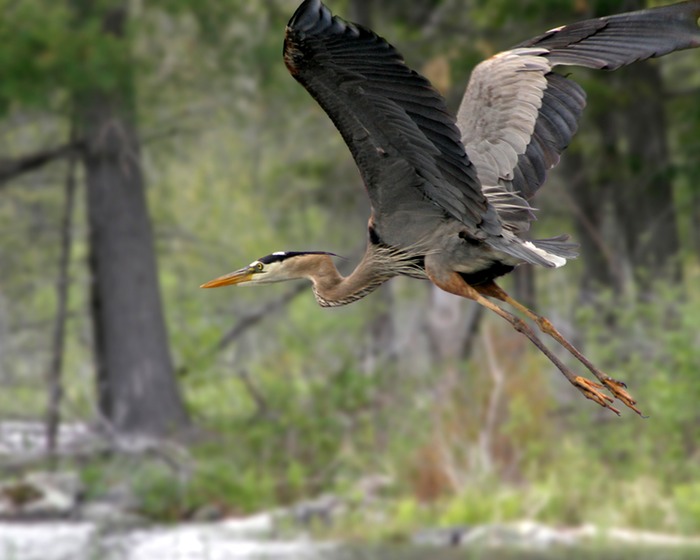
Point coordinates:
[(332, 289), (378, 265)]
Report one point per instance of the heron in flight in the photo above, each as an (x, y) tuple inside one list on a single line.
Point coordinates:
[(451, 197)]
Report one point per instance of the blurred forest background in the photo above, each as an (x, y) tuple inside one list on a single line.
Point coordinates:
[(170, 131)]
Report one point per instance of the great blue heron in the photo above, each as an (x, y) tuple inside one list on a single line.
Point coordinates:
[(451, 197)]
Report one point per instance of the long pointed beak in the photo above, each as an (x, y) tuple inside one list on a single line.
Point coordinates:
[(230, 279)]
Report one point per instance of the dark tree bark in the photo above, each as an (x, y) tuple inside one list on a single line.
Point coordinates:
[(590, 200), (136, 387), (524, 288), (55, 372), (640, 190), (380, 346), (695, 221), (644, 202), (625, 215)]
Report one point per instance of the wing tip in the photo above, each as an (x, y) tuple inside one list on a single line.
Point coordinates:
[(312, 18), (306, 15), (305, 18)]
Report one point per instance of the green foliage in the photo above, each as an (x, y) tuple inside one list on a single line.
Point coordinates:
[(240, 163), (51, 51), (317, 430), (655, 342), (165, 495), (485, 501), (687, 500)]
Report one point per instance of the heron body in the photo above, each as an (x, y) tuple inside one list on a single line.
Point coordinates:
[(450, 196)]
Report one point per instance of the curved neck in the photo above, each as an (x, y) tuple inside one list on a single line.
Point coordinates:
[(333, 289)]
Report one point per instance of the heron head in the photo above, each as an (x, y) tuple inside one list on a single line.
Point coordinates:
[(277, 267)]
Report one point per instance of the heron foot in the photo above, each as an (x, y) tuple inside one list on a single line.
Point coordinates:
[(591, 390), (619, 390)]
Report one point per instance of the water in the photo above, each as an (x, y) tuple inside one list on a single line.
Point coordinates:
[(589, 553), (82, 541)]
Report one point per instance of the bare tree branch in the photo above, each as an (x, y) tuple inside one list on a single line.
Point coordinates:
[(12, 168), (475, 312), (598, 239), (54, 374), (258, 315), (255, 394)]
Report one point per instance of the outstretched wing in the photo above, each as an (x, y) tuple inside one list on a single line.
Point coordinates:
[(404, 141), (517, 116)]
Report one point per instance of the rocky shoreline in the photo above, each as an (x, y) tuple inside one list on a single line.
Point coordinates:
[(47, 515), (240, 540)]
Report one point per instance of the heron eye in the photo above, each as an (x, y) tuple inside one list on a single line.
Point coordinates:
[(259, 267)]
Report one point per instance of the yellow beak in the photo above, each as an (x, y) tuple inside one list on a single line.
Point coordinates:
[(230, 279)]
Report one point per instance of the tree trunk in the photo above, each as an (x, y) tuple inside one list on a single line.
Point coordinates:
[(380, 347), (590, 199), (136, 387), (524, 288), (644, 202), (55, 372), (641, 194), (625, 215), (695, 221)]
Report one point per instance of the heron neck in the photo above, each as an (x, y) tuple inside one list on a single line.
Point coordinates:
[(332, 289)]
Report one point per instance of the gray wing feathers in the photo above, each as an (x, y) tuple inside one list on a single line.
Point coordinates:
[(562, 104), (507, 89), (498, 117), (499, 110)]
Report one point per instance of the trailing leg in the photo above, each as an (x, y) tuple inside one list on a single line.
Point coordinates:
[(453, 283), (617, 388)]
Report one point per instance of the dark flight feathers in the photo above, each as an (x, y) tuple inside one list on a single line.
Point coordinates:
[(605, 43), (516, 119), (610, 42), (387, 114)]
